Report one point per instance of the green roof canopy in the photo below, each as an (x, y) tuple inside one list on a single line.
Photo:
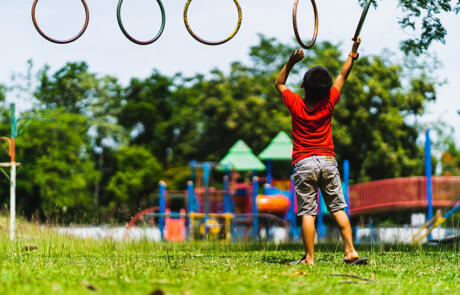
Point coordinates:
[(241, 158), (280, 148)]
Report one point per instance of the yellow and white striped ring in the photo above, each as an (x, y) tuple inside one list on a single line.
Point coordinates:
[(187, 25)]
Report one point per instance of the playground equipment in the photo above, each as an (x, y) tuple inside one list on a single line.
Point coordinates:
[(240, 212), (280, 149), (273, 204), (191, 222), (296, 29), (196, 37), (401, 193), (435, 222), (428, 174), (218, 214), (174, 227), (132, 39), (85, 26)]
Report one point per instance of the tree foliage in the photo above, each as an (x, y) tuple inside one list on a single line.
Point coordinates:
[(111, 144), (136, 179), (450, 160), (57, 174), (423, 16)]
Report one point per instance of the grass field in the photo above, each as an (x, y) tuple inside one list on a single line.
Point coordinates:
[(43, 262)]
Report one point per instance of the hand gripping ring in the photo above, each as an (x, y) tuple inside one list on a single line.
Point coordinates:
[(163, 22), (240, 18), (296, 30), (34, 19)]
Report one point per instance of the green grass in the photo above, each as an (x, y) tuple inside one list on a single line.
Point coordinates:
[(64, 265)]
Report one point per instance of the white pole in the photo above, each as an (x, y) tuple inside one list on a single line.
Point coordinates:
[(12, 199)]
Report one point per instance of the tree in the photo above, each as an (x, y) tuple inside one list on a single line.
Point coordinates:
[(181, 119), (57, 174), (370, 126), (370, 121), (110, 145), (71, 87), (79, 91), (147, 109), (423, 15), (136, 179)]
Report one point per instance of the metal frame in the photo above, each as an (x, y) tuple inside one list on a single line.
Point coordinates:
[(11, 151), (361, 21), (296, 29), (34, 20), (132, 39), (189, 29), (437, 221)]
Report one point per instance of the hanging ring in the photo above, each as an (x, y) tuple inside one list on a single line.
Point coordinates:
[(163, 22), (240, 18), (296, 30), (34, 19)]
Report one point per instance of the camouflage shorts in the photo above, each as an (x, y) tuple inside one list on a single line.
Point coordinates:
[(313, 173)]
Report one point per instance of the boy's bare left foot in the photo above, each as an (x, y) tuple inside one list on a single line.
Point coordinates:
[(308, 262), (304, 260)]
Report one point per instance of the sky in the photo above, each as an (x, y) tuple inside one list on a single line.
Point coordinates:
[(107, 51)]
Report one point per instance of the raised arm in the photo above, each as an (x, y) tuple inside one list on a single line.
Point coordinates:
[(295, 57), (340, 81)]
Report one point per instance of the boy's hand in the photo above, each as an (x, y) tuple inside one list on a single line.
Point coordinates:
[(280, 82), (356, 45), (296, 56)]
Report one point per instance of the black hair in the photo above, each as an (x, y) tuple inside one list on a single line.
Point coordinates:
[(317, 83)]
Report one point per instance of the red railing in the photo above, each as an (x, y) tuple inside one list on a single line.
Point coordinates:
[(400, 193), (216, 200)]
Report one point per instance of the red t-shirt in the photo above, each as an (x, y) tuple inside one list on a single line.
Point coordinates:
[(311, 129)]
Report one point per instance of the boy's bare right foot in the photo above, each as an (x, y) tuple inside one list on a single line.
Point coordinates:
[(351, 256)]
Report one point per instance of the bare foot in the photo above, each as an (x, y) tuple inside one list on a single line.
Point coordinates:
[(305, 262), (352, 256), (308, 261)]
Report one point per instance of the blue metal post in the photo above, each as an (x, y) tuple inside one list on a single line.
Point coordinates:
[(206, 175), (190, 204), (193, 168), (346, 180), (428, 173), (191, 197), (227, 199), (255, 211), (162, 207), (269, 172)]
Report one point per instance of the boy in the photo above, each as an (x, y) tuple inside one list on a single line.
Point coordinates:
[(313, 154)]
